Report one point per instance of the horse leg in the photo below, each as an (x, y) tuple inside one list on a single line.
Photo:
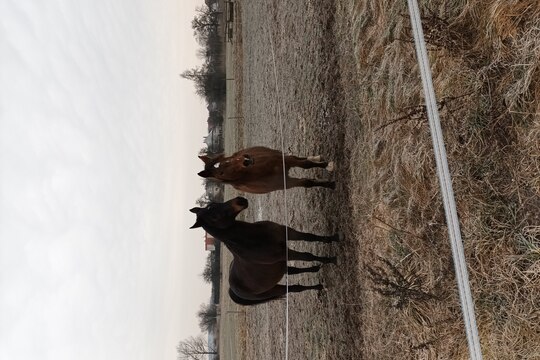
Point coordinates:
[(308, 163), (281, 290), (309, 183), (305, 256), (298, 235), (331, 166), (300, 288), (291, 270)]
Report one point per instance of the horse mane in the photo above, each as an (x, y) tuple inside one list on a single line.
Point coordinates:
[(241, 301)]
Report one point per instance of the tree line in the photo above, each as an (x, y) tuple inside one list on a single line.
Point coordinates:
[(210, 83), (209, 78)]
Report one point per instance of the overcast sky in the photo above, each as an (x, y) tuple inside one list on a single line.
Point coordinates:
[(98, 145)]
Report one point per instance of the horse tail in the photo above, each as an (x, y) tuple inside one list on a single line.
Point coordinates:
[(237, 299)]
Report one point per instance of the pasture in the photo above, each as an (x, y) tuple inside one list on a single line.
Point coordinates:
[(348, 88)]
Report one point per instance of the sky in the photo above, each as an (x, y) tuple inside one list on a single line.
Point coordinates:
[(98, 144)]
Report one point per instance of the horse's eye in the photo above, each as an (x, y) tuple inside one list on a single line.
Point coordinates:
[(247, 160)]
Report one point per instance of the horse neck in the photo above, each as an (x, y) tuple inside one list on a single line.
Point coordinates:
[(238, 238), (239, 229)]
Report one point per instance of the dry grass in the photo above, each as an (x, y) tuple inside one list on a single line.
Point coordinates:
[(487, 51)]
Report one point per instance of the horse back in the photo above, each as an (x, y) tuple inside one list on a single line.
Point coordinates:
[(259, 151)]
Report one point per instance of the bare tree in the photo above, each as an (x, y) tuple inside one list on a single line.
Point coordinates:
[(203, 151), (194, 348), (207, 316), (209, 82), (211, 268), (205, 21), (199, 77), (203, 200)]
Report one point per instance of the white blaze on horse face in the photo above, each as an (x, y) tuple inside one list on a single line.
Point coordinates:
[(225, 162), (236, 160)]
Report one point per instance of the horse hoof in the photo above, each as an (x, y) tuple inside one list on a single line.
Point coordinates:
[(331, 166), (330, 260), (336, 237), (316, 158)]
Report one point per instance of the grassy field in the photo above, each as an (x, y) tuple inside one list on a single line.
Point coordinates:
[(348, 88)]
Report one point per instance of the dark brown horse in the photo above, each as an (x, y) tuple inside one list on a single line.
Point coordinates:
[(259, 251), (260, 170)]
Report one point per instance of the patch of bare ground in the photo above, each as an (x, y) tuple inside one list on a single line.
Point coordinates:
[(348, 88)]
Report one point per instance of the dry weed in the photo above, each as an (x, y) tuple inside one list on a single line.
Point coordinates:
[(388, 280)]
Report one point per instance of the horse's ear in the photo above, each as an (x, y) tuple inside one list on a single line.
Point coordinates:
[(205, 158), (196, 225), (211, 160), (195, 210), (205, 173)]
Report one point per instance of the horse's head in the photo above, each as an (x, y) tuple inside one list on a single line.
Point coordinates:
[(219, 215), (210, 165), (225, 168)]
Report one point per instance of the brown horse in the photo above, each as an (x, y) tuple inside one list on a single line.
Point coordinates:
[(260, 170), (259, 250)]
